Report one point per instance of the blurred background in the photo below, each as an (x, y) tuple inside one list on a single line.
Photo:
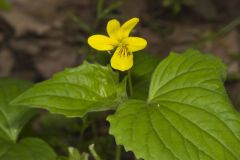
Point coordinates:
[(40, 38)]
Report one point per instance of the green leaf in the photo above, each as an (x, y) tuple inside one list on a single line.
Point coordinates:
[(188, 115), (144, 65), (74, 92), (26, 149), (5, 5), (12, 118)]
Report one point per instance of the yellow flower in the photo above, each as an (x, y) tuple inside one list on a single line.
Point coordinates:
[(122, 58)]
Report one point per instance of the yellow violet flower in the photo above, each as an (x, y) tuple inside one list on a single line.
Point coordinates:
[(122, 58)]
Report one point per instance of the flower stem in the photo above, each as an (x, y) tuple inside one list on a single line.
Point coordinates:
[(84, 126), (118, 152), (119, 148), (130, 83), (93, 152)]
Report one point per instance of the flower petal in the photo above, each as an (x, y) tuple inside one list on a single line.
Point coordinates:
[(113, 28), (101, 42), (121, 59), (135, 43), (127, 27)]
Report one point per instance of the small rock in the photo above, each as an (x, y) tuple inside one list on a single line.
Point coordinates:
[(55, 60), (27, 46), (23, 22)]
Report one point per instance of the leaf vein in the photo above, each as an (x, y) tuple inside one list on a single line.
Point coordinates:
[(229, 150)]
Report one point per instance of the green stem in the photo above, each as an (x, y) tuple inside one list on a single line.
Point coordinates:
[(118, 152), (84, 126), (130, 83), (93, 152), (119, 148), (94, 130)]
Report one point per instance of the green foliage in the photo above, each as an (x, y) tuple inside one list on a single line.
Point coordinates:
[(75, 155), (12, 118), (26, 149), (5, 5), (74, 92), (187, 116)]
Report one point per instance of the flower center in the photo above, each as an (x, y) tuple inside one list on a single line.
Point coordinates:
[(124, 52)]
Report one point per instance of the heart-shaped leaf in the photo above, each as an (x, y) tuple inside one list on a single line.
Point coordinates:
[(12, 118), (26, 149), (74, 92), (188, 115)]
